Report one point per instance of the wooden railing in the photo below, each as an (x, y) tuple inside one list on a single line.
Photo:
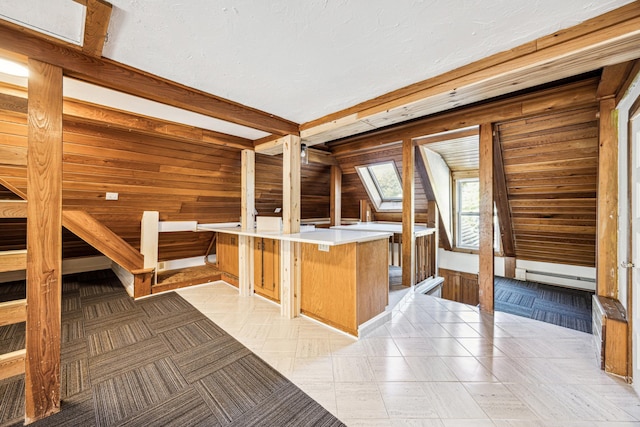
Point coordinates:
[(426, 247)]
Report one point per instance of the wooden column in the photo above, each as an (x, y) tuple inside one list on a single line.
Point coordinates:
[(607, 239), (44, 241), (245, 243), (408, 214), (290, 252), (433, 222), (336, 195), (486, 273)]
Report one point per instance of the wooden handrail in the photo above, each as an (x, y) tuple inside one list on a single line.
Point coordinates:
[(13, 312), (103, 239), (12, 364)]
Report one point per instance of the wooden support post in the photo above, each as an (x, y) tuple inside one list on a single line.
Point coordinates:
[(245, 243), (433, 221), (607, 239), (485, 275), (336, 195), (149, 246), (290, 252), (408, 214), (510, 267), (142, 282), (44, 241)]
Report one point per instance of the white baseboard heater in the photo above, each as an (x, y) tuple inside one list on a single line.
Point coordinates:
[(565, 280)]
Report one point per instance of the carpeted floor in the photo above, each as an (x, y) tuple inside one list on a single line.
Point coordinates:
[(570, 308), (156, 361)]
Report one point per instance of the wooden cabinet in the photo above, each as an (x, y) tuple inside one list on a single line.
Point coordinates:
[(228, 256), (460, 287), (345, 285), (266, 268)]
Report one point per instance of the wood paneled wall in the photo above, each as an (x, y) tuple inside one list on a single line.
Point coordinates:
[(353, 190), (551, 166), (315, 187)]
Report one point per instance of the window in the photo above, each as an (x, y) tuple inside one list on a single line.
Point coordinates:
[(468, 209), (383, 185)]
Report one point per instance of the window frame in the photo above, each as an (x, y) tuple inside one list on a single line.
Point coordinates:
[(372, 186), (497, 243)]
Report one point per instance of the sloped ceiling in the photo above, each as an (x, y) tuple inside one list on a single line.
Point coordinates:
[(302, 60)]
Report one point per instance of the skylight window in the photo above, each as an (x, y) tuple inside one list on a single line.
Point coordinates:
[(383, 185)]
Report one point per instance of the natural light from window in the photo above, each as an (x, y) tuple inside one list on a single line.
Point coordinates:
[(468, 227), (382, 182)]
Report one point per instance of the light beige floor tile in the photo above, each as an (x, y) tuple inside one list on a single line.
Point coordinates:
[(282, 346), (352, 369), (498, 402), (313, 347), (415, 346), (620, 394), (461, 330), (359, 400), (480, 347), (430, 369), (367, 422), (448, 347), (391, 369), (322, 392), (432, 330), (312, 369), (453, 401), (406, 400), (374, 346), (468, 369), (468, 423), (416, 423)]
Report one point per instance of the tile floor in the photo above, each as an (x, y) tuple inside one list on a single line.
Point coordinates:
[(435, 363)]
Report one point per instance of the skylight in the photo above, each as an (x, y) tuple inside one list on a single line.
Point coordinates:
[(382, 182)]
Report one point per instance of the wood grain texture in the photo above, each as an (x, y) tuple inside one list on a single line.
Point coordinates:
[(330, 294), (13, 209), (103, 239), (445, 239), (459, 286), (408, 213), (44, 241), (13, 312), (13, 260), (12, 364), (485, 275), (95, 26), (372, 279), (227, 254), (501, 197), (266, 261), (116, 76), (247, 221), (335, 209), (607, 235)]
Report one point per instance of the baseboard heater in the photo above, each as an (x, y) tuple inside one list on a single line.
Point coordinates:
[(565, 280)]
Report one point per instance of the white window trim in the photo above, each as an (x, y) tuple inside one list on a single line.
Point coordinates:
[(372, 189)]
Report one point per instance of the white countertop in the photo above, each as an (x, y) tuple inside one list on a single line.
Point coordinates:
[(321, 236), (418, 230)]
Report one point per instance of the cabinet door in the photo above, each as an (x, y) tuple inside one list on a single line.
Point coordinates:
[(227, 253), (267, 268)]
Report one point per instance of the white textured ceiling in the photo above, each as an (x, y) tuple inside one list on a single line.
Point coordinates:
[(303, 59)]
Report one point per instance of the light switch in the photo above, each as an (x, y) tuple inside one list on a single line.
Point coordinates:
[(111, 196)]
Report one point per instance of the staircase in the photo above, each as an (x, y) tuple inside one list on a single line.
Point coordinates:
[(13, 363)]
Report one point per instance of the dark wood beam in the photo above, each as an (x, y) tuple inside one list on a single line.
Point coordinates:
[(95, 26), (44, 241), (613, 78), (113, 75), (502, 199), (486, 273)]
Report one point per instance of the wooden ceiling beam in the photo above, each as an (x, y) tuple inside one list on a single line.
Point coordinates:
[(116, 76), (571, 95), (95, 26), (608, 39), (14, 100)]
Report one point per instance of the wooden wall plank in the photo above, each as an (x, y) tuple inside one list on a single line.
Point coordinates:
[(13, 260), (44, 241), (13, 209), (486, 273)]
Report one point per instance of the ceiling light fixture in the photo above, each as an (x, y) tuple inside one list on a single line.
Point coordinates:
[(13, 68)]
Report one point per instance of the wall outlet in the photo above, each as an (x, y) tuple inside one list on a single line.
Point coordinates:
[(323, 248), (161, 266), (111, 196)]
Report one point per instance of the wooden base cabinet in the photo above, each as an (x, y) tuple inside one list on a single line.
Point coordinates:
[(345, 285), (228, 257), (460, 287), (266, 268)]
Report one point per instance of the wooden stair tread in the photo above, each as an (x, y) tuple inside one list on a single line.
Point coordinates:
[(179, 278)]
